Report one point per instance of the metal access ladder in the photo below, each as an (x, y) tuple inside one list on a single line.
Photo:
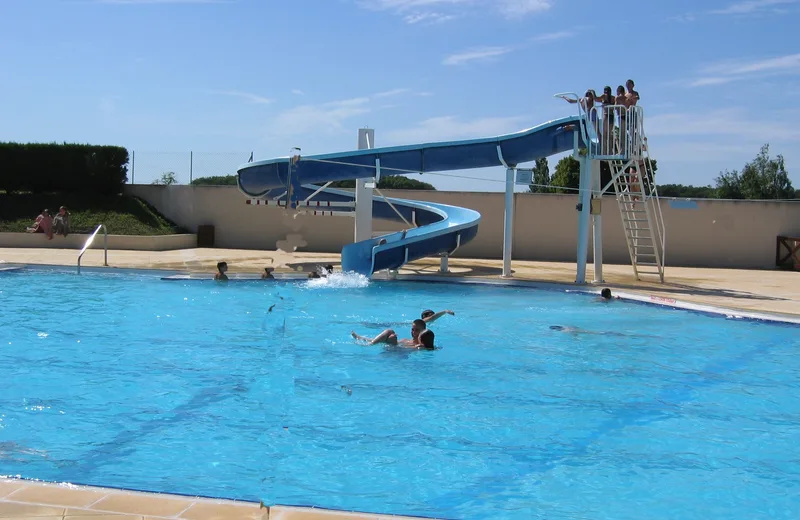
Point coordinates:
[(642, 221), (624, 147)]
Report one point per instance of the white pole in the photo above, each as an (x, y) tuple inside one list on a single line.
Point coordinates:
[(363, 228), (597, 224), (583, 218), (443, 265), (509, 222)]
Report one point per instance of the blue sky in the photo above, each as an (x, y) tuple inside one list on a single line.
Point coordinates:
[(224, 77)]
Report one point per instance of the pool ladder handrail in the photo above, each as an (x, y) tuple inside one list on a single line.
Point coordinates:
[(89, 242)]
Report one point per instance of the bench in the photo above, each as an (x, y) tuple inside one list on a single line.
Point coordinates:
[(790, 259)]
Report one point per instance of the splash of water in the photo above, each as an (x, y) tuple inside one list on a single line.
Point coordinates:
[(338, 280)]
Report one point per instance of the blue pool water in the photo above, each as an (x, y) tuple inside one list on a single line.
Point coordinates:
[(194, 387)]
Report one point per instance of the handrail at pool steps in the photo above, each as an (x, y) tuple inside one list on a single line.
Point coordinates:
[(89, 242)]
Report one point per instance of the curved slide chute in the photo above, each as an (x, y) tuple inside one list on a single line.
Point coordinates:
[(442, 229)]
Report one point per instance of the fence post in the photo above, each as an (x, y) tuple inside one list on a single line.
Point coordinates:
[(191, 166), (133, 167)]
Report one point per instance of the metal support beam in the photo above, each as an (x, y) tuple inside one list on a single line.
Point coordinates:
[(363, 228), (584, 209), (597, 222), (508, 226), (443, 265)]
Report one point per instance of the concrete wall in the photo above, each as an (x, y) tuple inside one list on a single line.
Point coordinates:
[(76, 241), (700, 233)]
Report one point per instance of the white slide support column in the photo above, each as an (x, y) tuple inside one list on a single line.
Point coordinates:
[(597, 222), (363, 227), (584, 208), (508, 227)]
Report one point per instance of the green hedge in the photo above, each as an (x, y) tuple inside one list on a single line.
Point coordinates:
[(62, 168)]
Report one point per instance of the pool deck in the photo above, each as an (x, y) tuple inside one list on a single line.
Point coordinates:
[(768, 292)]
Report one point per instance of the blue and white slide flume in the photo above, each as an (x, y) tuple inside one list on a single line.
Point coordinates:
[(442, 228)]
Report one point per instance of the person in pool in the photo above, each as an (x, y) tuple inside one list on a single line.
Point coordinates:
[(222, 267), (421, 337), (428, 316), (267, 275)]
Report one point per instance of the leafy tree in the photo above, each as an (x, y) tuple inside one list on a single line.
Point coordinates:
[(541, 177), (167, 179), (680, 190), (762, 178), (392, 182), (728, 185), (216, 180), (567, 175)]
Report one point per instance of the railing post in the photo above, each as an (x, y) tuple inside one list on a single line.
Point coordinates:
[(191, 166), (363, 194), (443, 264), (105, 245), (508, 226)]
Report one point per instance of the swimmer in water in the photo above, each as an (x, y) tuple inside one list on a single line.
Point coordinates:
[(575, 331), (222, 267), (267, 274), (428, 316), (420, 337)]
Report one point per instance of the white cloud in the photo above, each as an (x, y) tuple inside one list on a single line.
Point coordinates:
[(482, 53), (446, 128), (152, 2), (554, 36), (428, 18), (391, 93), (253, 98), (752, 6), (727, 72), (520, 8), (725, 124), (298, 92), (325, 118), (438, 11)]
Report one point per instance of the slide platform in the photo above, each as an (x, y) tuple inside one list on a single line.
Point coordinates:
[(442, 229)]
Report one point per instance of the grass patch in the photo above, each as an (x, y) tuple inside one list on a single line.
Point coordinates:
[(122, 214)]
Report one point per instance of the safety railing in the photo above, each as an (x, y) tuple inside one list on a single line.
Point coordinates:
[(89, 242), (619, 132)]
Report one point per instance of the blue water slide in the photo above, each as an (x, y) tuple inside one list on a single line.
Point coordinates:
[(441, 229)]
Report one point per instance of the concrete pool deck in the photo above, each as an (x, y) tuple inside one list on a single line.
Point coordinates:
[(770, 292)]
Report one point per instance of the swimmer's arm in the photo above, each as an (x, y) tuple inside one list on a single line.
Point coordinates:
[(431, 319)]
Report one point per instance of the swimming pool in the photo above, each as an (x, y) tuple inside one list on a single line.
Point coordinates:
[(193, 387)]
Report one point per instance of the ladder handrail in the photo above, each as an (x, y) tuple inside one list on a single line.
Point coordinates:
[(89, 242)]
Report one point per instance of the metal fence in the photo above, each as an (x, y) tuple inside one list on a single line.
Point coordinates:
[(149, 167)]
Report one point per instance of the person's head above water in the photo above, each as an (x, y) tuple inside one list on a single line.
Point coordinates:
[(417, 327), (556, 327), (426, 337), (606, 293), (222, 266), (427, 313)]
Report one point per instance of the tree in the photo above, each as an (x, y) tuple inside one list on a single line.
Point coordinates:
[(216, 180), (541, 177), (762, 178), (682, 191), (167, 179), (392, 182), (567, 175)]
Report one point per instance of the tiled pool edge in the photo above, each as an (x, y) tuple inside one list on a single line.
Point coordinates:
[(27, 498)]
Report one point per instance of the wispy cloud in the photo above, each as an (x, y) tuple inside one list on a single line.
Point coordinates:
[(451, 127), (727, 72), (438, 11), (554, 36), (428, 18), (752, 6), (253, 98), (725, 124), (481, 53), (330, 117), (152, 2), (390, 93), (298, 92)]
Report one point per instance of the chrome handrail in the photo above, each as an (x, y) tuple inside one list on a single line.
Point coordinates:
[(89, 242)]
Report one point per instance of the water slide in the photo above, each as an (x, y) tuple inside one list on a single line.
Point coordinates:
[(441, 229)]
